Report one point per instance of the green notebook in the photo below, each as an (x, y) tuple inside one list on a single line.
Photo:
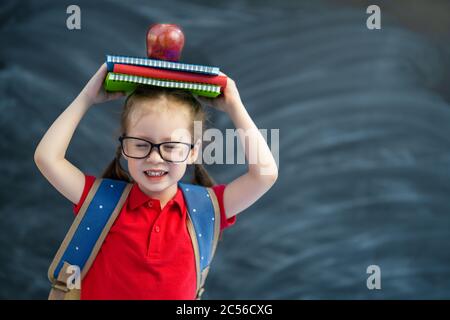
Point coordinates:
[(127, 83)]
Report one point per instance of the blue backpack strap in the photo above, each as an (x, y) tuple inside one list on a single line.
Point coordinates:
[(204, 227), (88, 231)]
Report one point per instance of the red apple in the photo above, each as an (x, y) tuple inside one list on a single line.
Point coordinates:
[(165, 42)]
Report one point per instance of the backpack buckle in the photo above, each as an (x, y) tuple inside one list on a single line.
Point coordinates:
[(60, 287)]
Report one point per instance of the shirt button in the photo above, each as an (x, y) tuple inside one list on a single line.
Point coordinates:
[(150, 204), (157, 229)]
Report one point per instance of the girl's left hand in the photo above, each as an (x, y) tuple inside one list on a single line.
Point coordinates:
[(229, 98)]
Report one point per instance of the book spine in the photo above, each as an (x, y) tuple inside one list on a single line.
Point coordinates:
[(113, 84), (163, 64), (169, 74), (163, 83)]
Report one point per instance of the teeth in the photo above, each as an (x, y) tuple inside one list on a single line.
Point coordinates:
[(155, 173)]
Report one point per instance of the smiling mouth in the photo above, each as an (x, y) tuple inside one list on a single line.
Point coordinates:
[(155, 173)]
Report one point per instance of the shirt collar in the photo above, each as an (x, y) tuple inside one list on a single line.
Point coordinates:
[(138, 198)]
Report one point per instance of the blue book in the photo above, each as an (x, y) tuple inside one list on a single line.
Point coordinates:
[(163, 64)]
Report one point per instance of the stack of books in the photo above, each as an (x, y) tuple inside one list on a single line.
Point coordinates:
[(126, 73)]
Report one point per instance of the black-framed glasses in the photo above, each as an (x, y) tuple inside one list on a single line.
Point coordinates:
[(170, 151)]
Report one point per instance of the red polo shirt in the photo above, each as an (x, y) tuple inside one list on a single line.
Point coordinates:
[(147, 253)]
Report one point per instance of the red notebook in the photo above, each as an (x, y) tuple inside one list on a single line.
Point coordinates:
[(150, 72)]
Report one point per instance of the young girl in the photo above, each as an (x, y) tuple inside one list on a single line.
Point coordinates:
[(147, 253)]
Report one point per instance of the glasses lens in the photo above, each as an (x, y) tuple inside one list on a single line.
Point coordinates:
[(174, 151), (135, 148)]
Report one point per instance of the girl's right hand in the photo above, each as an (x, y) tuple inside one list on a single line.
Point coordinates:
[(94, 91)]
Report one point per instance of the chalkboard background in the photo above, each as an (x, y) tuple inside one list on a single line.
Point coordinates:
[(364, 121)]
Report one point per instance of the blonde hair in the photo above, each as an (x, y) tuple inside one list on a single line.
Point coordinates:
[(153, 93)]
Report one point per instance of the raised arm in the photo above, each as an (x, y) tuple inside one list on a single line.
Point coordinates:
[(50, 154), (262, 169)]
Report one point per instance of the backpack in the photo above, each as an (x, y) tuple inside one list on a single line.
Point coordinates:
[(97, 215)]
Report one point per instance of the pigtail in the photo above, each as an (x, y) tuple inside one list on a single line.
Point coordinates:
[(115, 170), (202, 177)]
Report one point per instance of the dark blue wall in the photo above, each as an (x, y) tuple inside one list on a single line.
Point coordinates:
[(364, 121)]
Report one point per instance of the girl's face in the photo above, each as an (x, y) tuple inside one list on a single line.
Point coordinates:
[(160, 124)]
